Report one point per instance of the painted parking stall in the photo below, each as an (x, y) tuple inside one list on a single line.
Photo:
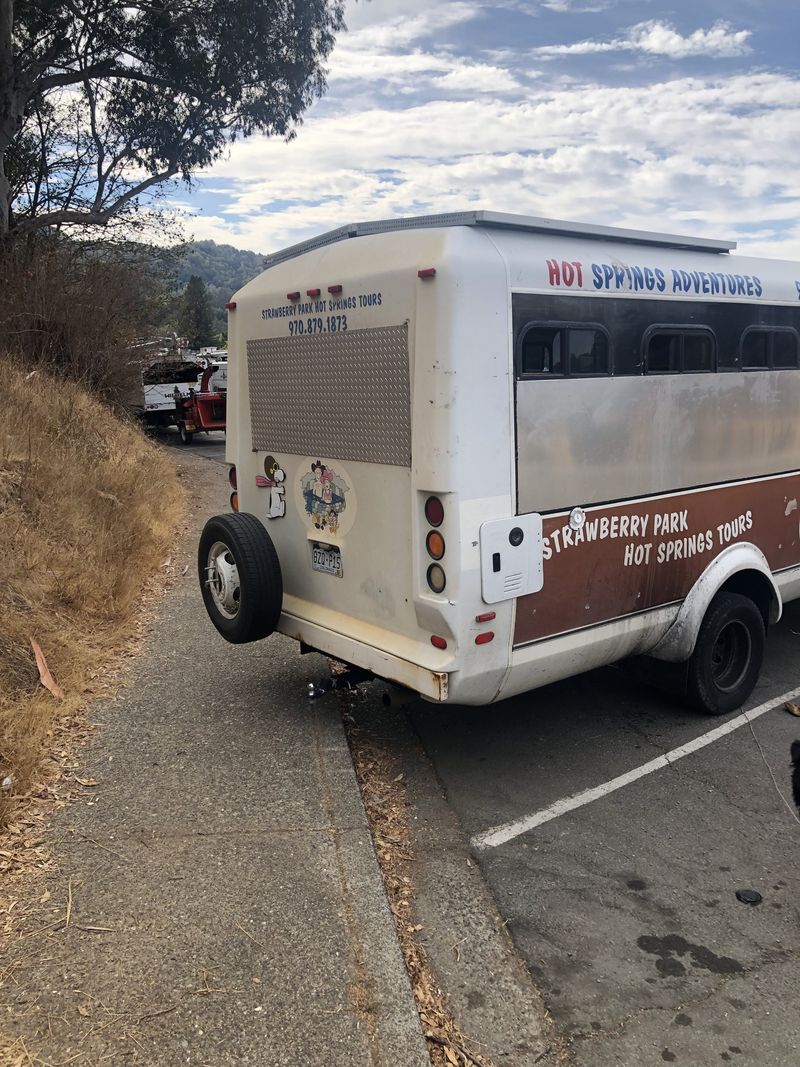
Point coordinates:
[(614, 830)]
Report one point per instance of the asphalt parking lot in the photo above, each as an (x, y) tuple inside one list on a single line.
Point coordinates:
[(625, 909)]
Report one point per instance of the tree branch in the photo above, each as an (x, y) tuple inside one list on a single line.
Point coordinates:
[(92, 217), (90, 96)]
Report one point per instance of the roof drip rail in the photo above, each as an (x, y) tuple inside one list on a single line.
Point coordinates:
[(500, 220)]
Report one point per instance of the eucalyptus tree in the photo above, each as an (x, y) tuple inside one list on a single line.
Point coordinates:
[(103, 100)]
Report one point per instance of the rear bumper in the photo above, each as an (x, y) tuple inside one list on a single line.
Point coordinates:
[(430, 683)]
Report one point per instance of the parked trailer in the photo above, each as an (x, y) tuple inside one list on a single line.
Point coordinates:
[(478, 453)]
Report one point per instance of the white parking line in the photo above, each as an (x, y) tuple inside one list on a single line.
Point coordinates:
[(499, 835)]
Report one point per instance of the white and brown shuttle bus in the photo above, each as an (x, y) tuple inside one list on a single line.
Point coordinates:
[(476, 453)]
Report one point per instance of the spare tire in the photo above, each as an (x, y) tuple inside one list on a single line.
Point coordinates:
[(240, 577)]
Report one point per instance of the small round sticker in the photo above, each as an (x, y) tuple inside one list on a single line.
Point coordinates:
[(325, 496)]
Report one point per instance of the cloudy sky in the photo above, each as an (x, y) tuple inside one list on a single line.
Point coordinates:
[(683, 118)]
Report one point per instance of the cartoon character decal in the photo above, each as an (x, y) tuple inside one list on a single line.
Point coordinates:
[(275, 477), (324, 492)]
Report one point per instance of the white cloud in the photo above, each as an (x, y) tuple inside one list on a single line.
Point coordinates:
[(416, 121), (575, 7), (476, 78), (659, 157), (403, 28), (564, 7), (389, 54), (368, 66), (408, 72), (660, 39)]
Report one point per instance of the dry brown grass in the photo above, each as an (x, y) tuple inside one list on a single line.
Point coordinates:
[(87, 510)]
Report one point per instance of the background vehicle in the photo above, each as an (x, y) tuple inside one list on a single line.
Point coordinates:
[(159, 382), (203, 409)]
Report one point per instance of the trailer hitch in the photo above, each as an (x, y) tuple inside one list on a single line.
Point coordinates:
[(346, 679)]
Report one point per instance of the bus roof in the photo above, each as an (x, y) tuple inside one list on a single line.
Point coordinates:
[(504, 221)]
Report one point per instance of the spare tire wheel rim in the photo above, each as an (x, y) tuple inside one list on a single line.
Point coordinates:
[(730, 657), (222, 580)]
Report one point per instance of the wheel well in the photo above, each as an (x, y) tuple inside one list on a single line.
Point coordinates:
[(755, 586)]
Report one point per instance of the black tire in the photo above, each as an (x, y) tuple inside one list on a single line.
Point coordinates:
[(728, 654), (252, 612), (186, 436)]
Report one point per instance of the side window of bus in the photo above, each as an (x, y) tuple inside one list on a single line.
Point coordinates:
[(681, 350), (778, 348), (785, 349), (698, 351), (564, 350), (588, 351), (755, 349), (541, 351), (663, 354)]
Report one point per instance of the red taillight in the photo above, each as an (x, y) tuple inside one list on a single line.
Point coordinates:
[(438, 642), (231, 305), (427, 272), (232, 477), (486, 617), (434, 511), (235, 501), (334, 288), (484, 638), (293, 296), (312, 292)]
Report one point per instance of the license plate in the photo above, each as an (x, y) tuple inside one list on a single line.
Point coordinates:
[(327, 559)]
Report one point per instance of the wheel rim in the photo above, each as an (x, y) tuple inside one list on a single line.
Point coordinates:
[(730, 657), (222, 580)]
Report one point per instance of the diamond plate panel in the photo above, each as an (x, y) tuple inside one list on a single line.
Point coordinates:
[(339, 395)]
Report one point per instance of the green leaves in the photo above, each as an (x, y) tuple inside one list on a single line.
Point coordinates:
[(195, 320), (160, 86)]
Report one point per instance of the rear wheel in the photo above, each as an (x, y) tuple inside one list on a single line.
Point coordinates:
[(186, 436), (240, 577), (728, 654)]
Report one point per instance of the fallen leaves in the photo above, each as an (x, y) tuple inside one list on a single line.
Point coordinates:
[(46, 678), (793, 709), (384, 794), (23, 1059)]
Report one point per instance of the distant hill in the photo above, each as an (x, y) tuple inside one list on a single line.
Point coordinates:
[(223, 268)]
